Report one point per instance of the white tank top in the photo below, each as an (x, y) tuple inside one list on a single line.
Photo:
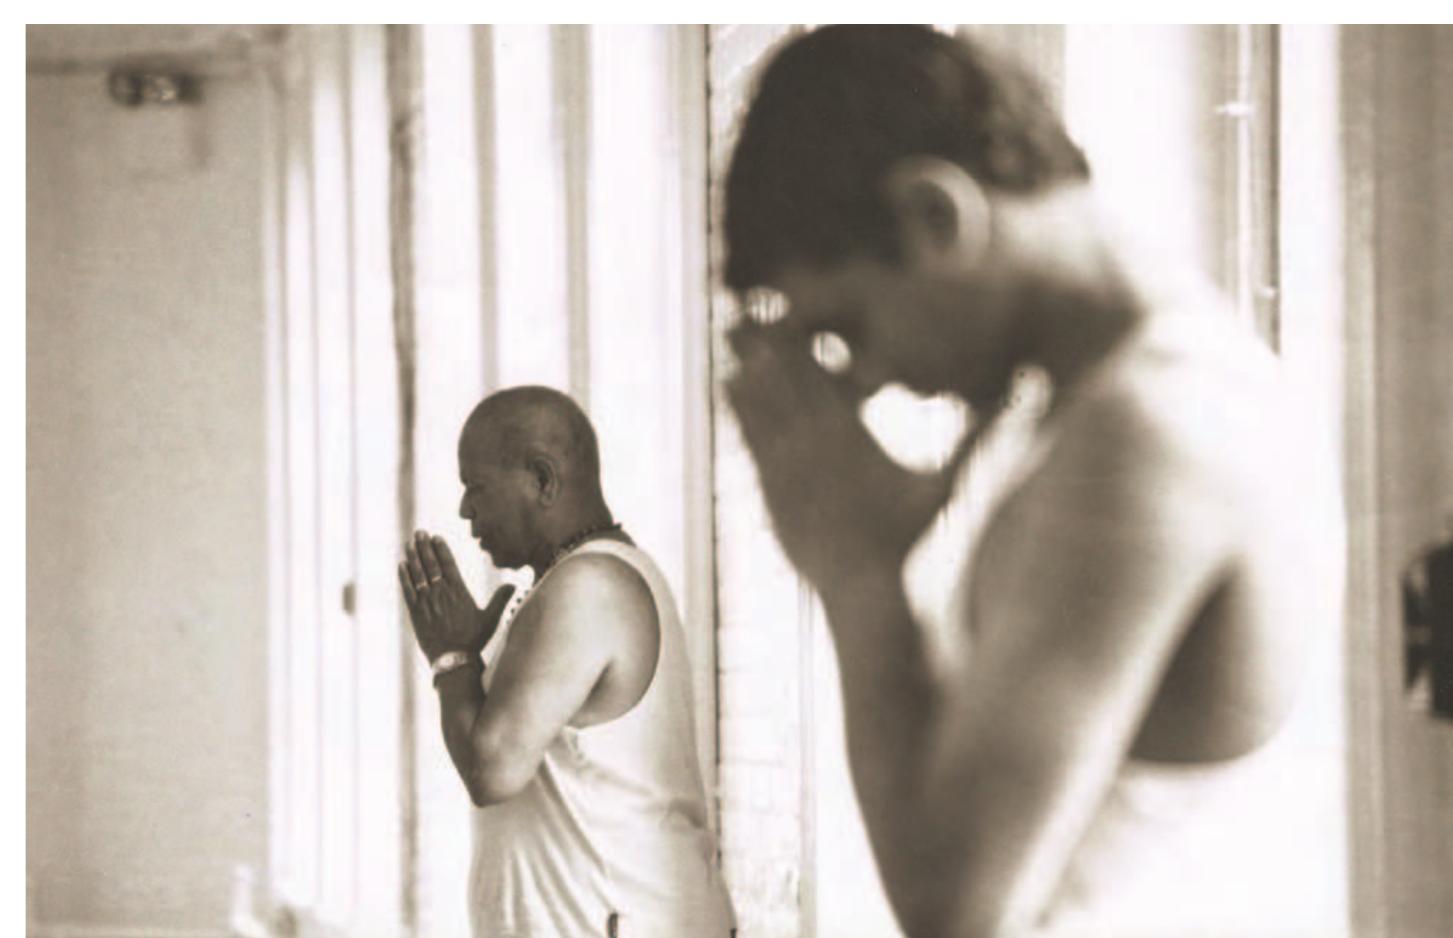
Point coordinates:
[(610, 838)]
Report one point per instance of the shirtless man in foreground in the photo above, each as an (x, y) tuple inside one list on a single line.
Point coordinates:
[(1138, 602)]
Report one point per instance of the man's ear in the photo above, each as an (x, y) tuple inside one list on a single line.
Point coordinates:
[(942, 215), (545, 476)]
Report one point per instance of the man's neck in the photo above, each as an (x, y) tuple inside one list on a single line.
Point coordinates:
[(1082, 301), (573, 530)]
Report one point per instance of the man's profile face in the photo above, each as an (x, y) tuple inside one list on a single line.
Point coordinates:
[(495, 507)]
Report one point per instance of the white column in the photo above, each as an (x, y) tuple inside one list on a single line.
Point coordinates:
[(335, 636), (1310, 185), (299, 883), (448, 382), (530, 292), (377, 621), (335, 552)]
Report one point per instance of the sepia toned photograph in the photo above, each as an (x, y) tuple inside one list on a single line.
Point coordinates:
[(738, 481)]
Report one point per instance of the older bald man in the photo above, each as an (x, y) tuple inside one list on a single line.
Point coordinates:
[(577, 741)]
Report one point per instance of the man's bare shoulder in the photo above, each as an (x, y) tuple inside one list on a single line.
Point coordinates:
[(1199, 443), (1177, 448), (1124, 442), (600, 599), (597, 580), (1204, 404)]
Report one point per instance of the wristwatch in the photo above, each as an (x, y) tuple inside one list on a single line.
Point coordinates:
[(450, 661)]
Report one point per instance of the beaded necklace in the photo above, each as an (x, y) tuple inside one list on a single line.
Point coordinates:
[(564, 549), (561, 553)]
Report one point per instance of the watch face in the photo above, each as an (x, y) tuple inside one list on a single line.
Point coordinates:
[(449, 661)]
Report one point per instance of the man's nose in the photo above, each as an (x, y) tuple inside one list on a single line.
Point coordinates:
[(464, 511)]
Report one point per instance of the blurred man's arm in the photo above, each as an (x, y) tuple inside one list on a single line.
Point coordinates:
[(975, 790)]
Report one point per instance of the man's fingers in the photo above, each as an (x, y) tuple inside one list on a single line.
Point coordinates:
[(770, 351), (407, 584), (749, 337), (427, 560), (777, 362), (447, 567), (765, 385), (415, 567), (773, 410), (426, 592), (754, 342), (740, 336)]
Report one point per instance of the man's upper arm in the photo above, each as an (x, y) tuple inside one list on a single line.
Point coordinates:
[(547, 671), (1085, 590)]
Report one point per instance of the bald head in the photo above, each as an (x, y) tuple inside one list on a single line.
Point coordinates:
[(510, 428)]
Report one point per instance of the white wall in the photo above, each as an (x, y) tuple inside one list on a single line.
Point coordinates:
[(146, 564)]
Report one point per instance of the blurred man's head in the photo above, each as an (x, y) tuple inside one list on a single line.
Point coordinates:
[(530, 467), (865, 186)]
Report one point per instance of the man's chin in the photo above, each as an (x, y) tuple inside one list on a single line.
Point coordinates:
[(501, 561)]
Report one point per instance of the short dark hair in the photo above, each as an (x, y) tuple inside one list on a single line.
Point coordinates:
[(836, 108)]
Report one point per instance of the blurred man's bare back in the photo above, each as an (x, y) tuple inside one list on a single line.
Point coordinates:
[(1192, 412), (1204, 391)]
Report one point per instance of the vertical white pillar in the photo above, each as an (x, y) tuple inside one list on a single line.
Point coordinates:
[(448, 381), (377, 612), (301, 882), (1310, 194), (634, 367), (335, 550), (531, 297)]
